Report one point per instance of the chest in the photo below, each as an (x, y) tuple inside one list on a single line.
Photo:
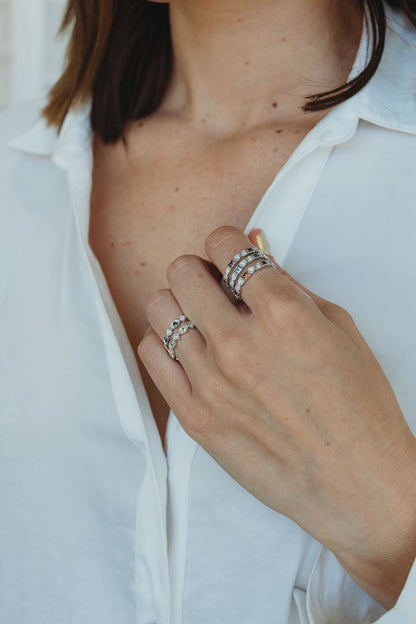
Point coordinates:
[(149, 209)]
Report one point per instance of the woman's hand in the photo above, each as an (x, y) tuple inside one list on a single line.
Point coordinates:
[(288, 398)]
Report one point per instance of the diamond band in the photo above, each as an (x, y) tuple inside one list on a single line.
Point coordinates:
[(239, 269), (241, 265), (235, 259), (247, 274), (177, 328)]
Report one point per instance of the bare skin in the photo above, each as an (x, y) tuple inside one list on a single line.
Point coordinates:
[(209, 153), (229, 121), (147, 211)]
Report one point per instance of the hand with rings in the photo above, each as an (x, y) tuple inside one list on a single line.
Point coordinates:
[(286, 395)]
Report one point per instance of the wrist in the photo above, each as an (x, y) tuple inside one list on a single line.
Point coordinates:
[(382, 568)]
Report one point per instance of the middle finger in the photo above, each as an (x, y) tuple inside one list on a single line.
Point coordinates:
[(201, 297)]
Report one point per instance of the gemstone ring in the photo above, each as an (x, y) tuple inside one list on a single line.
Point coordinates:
[(177, 328), (241, 267)]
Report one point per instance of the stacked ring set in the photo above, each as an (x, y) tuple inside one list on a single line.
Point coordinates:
[(238, 272)]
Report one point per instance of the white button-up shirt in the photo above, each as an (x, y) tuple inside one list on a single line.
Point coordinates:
[(98, 523)]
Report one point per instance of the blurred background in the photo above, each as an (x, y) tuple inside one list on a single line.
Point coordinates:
[(31, 56)]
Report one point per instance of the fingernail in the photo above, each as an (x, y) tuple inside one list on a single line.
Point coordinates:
[(262, 242)]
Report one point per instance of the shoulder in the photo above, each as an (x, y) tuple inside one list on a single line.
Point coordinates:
[(26, 168), (17, 120), (21, 129)]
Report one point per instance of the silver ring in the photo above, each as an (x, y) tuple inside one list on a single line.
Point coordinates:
[(231, 266), (239, 269), (177, 328), (263, 263)]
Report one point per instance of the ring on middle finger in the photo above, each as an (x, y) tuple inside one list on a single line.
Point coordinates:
[(241, 267), (242, 258)]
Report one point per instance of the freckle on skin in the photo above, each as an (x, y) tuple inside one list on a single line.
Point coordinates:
[(296, 132), (111, 244), (278, 131), (176, 189), (283, 38), (143, 263), (247, 63), (239, 20), (200, 275), (125, 243), (327, 443), (253, 138), (171, 208), (308, 410), (275, 149), (274, 104)]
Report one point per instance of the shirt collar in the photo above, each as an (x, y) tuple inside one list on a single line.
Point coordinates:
[(388, 100)]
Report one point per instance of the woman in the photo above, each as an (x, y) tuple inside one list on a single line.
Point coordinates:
[(257, 465)]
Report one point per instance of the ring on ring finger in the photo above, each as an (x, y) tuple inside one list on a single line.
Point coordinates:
[(177, 328)]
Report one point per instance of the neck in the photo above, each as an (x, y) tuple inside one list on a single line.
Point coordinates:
[(239, 63)]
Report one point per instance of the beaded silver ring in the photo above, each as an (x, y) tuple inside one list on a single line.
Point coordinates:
[(241, 265), (177, 328), (263, 263), (233, 280), (253, 252)]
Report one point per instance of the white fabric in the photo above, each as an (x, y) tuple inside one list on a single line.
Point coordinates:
[(97, 525)]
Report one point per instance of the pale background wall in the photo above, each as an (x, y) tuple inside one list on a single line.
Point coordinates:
[(31, 56)]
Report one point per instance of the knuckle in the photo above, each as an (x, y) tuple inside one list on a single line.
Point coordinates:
[(221, 235), (199, 426), (156, 300), (281, 310), (335, 311), (146, 347), (278, 304), (230, 352), (180, 267)]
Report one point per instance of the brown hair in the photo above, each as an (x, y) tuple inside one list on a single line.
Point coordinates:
[(120, 53)]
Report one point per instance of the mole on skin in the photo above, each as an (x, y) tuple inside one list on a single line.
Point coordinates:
[(142, 263), (274, 104)]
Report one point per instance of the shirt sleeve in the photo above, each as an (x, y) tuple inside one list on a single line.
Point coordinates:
[(333, 597)]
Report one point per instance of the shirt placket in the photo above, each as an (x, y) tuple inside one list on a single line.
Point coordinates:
[(73, 153)]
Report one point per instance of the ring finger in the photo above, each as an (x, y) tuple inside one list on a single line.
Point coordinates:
[(162, 309)]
